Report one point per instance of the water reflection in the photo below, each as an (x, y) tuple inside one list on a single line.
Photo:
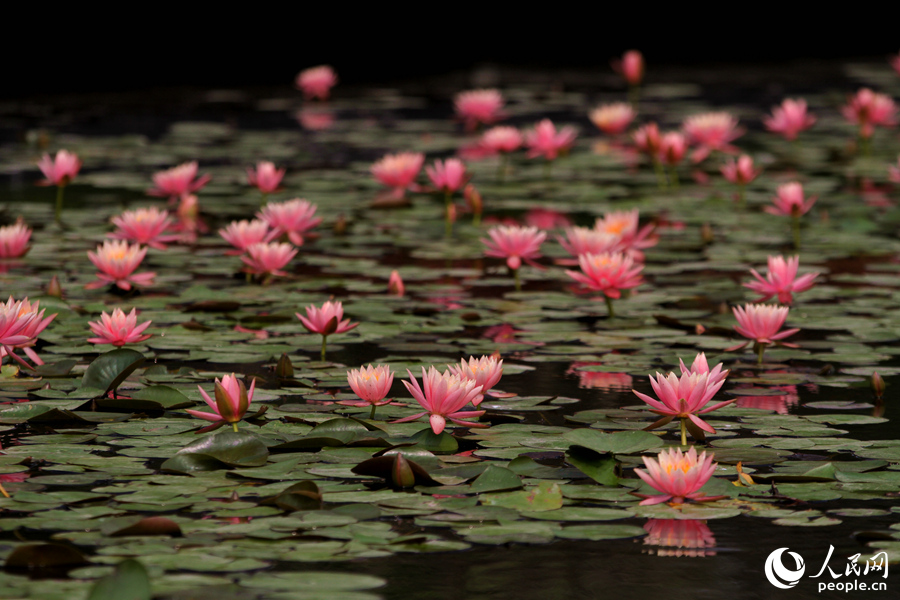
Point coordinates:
[(679, 537), (599, 379)]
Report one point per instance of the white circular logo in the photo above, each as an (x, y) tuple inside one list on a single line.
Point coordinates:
[(778, 575)]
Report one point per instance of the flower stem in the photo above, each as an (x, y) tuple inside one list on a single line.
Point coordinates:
[(501, 170), (634, 95), (234, 426), (760, 349), (548, 166), (742, 195), (673, 177), (448, 229), (609, 306), (3, 491), (517, 280), (660, 174), (59, 204), (683, 433), (324, 342), (372, 414), (795, 230), (262, 201)]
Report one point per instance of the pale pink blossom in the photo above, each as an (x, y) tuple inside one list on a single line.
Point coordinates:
[(294, 218), (612, 118), (266, 177), (371, 384), (61, 169), (398, 171), (116, 261), (684, 398), (485, 372), (672, 147), (268, 258), (476, 107), (762, 322), (178, 182), (20, 324), (608, 273), (677, 476), (447, 176), (515, 244), (14, 240), (740, 171), (316, 82), (395, 284), (711, 131), (118, 328), (648, 140), (243, 234), (143, 226), (585, 240), (626, 225), (232, 399), (443, 397), (869, 109), (544, 140), (789, 201), (501, 140), (700, 366), (789, 119), (189, 223), (631, 66), (781, 280), (326, 320)]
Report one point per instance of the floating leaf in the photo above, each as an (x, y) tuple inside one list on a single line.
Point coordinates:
[(109, 370), (128, 582)]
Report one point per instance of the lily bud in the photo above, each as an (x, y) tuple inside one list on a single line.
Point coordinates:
[(231, 401), (402, 474), (877, 385), (395, 284), (54, 288), (284, 368)]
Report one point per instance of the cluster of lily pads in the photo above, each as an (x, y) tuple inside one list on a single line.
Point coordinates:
[(110, 476)]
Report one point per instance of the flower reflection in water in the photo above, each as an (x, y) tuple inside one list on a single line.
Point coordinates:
[(780, 403), (679, 537), (598, 379)]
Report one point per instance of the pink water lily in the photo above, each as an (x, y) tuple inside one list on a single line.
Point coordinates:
[(630, 66), (711, 131), (626, 225), (781, 280), (740, 171), (443, 397), (585, 240), (316, 82), (398, 171), (266, 177), (677, 475), (476, 107), (145, 226), (20, 324), (684, 398), (232, 399), (61, 169), (292, 218), (790, 119), (116, 261), (501, 140), (268, 259), (544, 140), (869, 109), (118, 328), (485, 371), (371, 384), (326, 320), (761, 323), (609, 273), (395, 284), (243, 234), (14, 240), (612, 119), (178, 182), (448, 175), (700, 366)]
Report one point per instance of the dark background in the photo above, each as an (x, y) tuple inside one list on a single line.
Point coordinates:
[(153, 47)]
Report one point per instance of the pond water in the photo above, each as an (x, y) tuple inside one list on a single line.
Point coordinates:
[(83, 467)]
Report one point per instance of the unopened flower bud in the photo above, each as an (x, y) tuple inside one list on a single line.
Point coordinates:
[(402, 474), (284, 368), (877, 385), (54, 288)]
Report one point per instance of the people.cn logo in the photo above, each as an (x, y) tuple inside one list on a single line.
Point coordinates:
[(782, 577)]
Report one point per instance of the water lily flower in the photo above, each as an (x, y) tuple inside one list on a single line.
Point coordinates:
[(869, 109), (444, 396), (501, 140), (677, 475), (761, 324), (20, 324), (609, 273), (316, 82), (143, 226), (178, 182), (684, 398), (447, 176), (243, 234), (647, 140), (586, 240), (59, 171), (118, 329), (371, 384), (398, 171), (294, 218), (395, 284), (740, 171), (14, 240), (485, 371), (711, 131), (631, 66), (614, 118), (789, 119), (515, 244), (189, 223), (117, 260), (700, 366), (789, 201), (626, 224), (672, 147), (268, 259), (231, 403), (781, 280), (266, 177), (326, 320), (476, 107), (544, 140)]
